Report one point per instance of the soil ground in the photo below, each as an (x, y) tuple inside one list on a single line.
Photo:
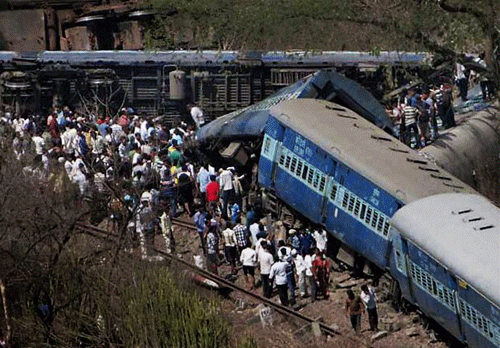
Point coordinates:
[(396, 329)]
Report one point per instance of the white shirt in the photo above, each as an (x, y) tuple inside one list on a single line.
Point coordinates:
[(369, 299), (320, 238), (278, 272), (248, 257), (226, 180), (300, 264), (266, 260), (309, 264), (460, 74), (39, 144), (197, 115), (229, 237), (254, 230)]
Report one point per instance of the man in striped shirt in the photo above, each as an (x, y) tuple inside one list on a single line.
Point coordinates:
[(410, 116)]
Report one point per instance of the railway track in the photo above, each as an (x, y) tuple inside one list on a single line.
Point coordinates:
[(110, 237), (182, 223)]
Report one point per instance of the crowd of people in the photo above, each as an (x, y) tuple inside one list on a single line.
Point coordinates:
[(417, 110), (160, 175)]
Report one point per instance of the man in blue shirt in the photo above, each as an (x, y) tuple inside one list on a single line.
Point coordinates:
[(202, 180), (200, 219)]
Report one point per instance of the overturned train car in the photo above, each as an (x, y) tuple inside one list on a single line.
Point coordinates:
[(247, 125), (162, 83), (469, 149)]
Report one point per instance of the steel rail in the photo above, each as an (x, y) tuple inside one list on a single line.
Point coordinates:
[(221, 281)]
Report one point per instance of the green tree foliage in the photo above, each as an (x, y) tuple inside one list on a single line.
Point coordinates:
[(445, 26)]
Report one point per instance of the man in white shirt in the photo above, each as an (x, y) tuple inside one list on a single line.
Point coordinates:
[(266, 261), (279, 275), (227, 189), (321, 239), (248, 259), (197, 115), (301, 267), (39, 144), (369, 299), (309, 274)]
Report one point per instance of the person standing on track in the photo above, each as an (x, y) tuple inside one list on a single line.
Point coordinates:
[(354, 308), (266, 260), (369, 300)]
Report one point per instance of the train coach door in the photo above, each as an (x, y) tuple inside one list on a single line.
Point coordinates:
[(330, 172), (279, 131), (270, 153)]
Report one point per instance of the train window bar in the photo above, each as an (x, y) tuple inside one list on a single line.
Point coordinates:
[(287, 162), (377, 137), (398, 150), (475, 219), (416, 161), (333, 195), (347, 116), (454, 186), (299, 168), (334, 108), (482, 228), (293, 165), (441, 177), (429, 169), (465, 211)]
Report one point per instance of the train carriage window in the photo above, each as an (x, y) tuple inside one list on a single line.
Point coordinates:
[(363, 211), (316, 179), (368, 217), (351, 204), (287, 162), (282, 159), (375, 219), (380, 223), (356, 207), (304, 173), (386, 227), (345, 201), (333, 194), (322, 184), (293, 165), (299, 168), (310, 176)]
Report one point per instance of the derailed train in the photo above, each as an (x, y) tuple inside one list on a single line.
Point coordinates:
[(162, 82), (434, 234)]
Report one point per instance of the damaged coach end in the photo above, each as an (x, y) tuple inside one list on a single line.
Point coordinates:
[(236, 137)]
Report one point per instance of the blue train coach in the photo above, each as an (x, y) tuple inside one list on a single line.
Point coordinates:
[(446, 259), (342, 172)]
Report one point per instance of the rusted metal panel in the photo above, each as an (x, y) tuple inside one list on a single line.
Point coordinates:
[(78, 38), (130, 36), (22, 30)]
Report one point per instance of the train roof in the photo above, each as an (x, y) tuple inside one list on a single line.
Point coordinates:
[(251, 121), (367, 149), (184, 58), (461, 231), (318, 59)]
